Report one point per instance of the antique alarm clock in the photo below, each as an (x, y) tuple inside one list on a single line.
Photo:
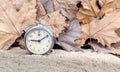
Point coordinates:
[(39, 39)]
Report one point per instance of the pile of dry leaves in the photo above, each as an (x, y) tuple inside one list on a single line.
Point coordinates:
[(75, 23)]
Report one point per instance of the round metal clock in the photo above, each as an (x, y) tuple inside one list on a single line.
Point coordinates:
[(39, 39)]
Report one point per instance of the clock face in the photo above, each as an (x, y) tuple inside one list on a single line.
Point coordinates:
[(38, 41)]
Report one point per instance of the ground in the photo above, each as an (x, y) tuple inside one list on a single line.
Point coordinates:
[(19, 60)]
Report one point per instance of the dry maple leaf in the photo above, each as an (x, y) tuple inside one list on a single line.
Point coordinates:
[(91, 9), (18, 3), (67, 39), (55, 21), (117, 4), (14, 22), (103, 29)]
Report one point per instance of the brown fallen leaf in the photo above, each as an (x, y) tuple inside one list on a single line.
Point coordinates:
[(59, 13), (88, 11), (67, 7), (48, 5), (19, 3), (117, 4), (14, 22), (97, 47), (115, 51), (107, 6), (117, 45), (67, 39), (55, 21), (92, 9), (40, 9), (118, 31), (103, 29)]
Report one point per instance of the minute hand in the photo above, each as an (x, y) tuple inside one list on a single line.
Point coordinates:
[(43, 38)]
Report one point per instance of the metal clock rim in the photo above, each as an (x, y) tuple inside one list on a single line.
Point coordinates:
[(42, 27)]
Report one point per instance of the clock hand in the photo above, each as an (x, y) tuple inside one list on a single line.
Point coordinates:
[(44, 37), (35, 40), (40, 39)]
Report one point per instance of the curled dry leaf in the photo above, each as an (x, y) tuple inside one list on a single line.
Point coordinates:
[(97, 47), (48, 5), (103, 29), (14, 22), (67, 39), (91, 9), (116, 50), (55, 21), (67, 7), (118, 31), (116, 45), (40, 9)]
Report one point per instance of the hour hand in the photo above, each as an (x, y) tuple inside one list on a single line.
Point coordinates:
[(35, 40)]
